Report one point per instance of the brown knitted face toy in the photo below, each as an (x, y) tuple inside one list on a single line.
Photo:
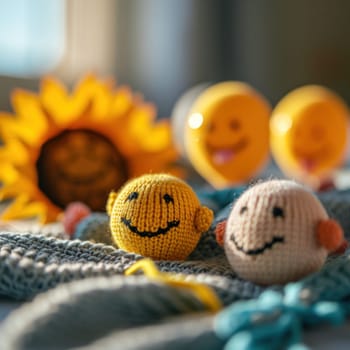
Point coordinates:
[(158, 216), (278, 232)]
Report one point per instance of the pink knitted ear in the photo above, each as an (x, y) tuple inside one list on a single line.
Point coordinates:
[(329, 234), (220, 232), (72, 216)]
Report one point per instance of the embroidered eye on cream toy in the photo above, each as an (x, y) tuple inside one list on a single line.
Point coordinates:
[(158, 216), (277, 232)]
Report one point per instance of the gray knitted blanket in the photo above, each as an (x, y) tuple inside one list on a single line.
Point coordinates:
[(78, 297)]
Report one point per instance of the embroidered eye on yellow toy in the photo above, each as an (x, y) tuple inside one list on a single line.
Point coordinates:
[(158, 216)]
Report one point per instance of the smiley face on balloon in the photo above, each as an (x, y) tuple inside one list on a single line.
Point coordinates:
[(226, 133), (309, 131)]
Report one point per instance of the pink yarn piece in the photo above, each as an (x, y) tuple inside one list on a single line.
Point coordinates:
[(74, 213)]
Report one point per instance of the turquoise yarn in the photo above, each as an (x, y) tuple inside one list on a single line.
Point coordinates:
[(276, 318), (219, 199)]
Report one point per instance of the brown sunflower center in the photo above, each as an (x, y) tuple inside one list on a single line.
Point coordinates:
[(80, 165)]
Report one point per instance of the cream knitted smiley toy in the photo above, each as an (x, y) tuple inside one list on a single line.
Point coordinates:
[(277, 232), (158, 216)]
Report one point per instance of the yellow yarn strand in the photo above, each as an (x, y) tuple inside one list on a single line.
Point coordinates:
[(204, 293)]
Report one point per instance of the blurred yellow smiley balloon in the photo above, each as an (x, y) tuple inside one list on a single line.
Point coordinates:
[(226, 133), (309, 131)]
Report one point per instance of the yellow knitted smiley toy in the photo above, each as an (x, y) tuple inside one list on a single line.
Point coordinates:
[(158, 216)]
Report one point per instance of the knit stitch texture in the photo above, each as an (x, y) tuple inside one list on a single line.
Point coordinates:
[(275, 224), (158, 216), (83, 300)]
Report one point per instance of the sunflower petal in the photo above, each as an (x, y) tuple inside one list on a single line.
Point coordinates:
[(122, 102), (32, 122), (21, 208), (151, 136)]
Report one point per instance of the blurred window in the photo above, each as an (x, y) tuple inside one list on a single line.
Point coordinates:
[(32, 36)]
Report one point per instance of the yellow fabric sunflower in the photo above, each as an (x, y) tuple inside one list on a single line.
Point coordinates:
[(60, 147)]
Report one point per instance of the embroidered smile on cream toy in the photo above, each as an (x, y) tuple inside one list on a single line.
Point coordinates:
[(278, 232), (158, 216)]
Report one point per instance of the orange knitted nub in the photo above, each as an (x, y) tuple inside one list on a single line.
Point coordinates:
[(330, 234), (158, 216), (220, 232)]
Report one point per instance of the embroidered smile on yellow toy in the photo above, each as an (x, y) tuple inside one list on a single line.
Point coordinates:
[(158, 216)]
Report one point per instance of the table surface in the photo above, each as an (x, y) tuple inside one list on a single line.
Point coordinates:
[(322, 337)]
